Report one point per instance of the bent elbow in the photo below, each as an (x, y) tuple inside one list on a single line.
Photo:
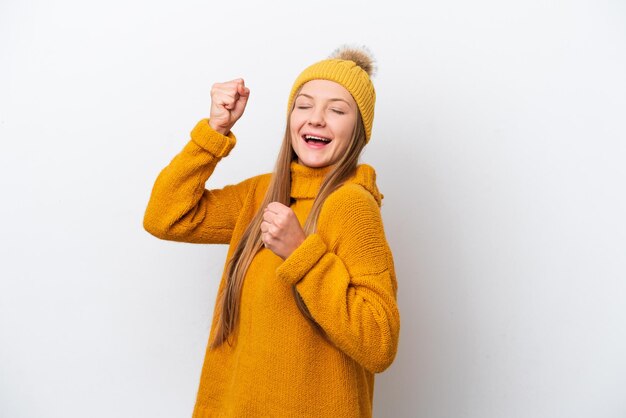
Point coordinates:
[(383, 358), (152, 225), (383, 353)]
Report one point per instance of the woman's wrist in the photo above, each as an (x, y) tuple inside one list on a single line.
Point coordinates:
[(219, 129)]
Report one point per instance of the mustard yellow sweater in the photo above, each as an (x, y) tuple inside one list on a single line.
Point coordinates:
[(278, 364)]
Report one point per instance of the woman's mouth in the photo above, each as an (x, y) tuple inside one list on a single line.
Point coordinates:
[(316, 140)]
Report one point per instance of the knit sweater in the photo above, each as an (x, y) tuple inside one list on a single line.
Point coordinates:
[(278, 364)]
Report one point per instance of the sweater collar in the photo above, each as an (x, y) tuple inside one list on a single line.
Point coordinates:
[(306, 181)]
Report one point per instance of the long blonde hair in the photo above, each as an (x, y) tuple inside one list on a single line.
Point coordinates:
[(279, 191)]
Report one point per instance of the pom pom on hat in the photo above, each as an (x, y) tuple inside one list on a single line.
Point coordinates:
[(361, 56), (350, 67)]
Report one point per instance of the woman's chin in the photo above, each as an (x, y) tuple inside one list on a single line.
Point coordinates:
[(313, 162)]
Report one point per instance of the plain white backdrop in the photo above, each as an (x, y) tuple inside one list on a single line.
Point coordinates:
[(500, 146)]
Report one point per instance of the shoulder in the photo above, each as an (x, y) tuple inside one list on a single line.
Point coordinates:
[(358, 192), (256, 185), (261, 180), (350, 197), (350, 213), (252, 188)]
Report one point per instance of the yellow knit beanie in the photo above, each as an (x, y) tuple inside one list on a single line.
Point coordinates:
[(351, 68)]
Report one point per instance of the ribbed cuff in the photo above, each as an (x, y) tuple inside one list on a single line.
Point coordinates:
[(214, 142), (298, 264)]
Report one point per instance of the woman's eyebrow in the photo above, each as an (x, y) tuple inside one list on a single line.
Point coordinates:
[(335, 99)]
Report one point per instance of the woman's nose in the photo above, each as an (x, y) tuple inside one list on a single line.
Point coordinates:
[(316, 118)]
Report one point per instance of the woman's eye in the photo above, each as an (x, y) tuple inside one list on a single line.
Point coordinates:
[(339, 112)]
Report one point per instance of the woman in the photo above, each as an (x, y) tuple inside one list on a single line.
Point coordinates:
[(306, 309)]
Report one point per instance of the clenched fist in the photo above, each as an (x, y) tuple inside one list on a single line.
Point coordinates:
[(280, 230), (228, 101)]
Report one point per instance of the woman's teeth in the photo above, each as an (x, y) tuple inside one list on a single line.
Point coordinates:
[(309, 138)]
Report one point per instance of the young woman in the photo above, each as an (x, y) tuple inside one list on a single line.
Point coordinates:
[(306, 309)]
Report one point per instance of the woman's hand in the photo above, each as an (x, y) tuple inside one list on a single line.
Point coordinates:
[(228, 101), (280, 230)]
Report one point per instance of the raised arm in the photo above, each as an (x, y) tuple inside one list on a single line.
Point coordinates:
[(180, 208)]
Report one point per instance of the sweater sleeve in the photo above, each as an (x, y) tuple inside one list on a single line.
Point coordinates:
[(180, 208), (344, 274)]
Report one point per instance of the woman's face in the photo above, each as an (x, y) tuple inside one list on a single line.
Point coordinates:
[(322, 123)]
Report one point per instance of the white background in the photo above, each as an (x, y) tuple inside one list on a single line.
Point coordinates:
[(500, 146)]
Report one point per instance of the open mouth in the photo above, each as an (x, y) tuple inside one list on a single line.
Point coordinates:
[(312, 139)]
